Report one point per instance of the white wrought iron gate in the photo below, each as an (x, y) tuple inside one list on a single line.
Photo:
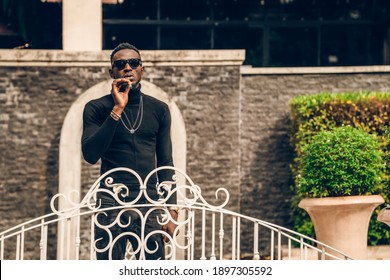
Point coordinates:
[(204, 230)]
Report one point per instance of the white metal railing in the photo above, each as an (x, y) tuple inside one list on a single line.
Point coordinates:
[(204, 231)]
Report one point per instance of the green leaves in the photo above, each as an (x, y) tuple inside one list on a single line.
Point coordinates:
[(341, 162)]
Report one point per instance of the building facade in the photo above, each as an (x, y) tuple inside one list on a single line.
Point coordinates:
[(274, 33)]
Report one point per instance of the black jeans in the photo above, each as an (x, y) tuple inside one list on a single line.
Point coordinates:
[(127, 224)]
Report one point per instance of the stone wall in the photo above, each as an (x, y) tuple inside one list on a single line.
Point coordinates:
[(33, 105), (38, 89), (236, 125), (265, 150)]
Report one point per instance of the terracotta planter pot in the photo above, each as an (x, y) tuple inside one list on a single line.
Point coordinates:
[(384, 215), (342, 222)]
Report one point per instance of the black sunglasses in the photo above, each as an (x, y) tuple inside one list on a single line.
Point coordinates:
[(121, 63)]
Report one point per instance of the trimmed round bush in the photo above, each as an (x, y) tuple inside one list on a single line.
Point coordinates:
[(341, 162)]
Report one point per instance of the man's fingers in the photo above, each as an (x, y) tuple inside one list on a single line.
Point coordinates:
[(121, 85), (170, 230)]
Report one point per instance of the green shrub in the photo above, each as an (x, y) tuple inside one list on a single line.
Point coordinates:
[(311, 114), (339, 162)]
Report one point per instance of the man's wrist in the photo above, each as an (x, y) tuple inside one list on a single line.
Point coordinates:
[(117, 110), (115, 116)]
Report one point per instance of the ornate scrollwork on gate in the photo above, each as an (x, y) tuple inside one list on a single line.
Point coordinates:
[(129, 222)]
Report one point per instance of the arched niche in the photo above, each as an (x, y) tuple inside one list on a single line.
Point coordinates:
[(70, 156)]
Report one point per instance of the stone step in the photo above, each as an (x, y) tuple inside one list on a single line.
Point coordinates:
[(380, 252)]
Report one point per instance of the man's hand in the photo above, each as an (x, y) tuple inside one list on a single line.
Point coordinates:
[(120, 92), (170, 226)]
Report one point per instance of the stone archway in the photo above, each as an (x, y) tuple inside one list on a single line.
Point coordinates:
[(70, 143)]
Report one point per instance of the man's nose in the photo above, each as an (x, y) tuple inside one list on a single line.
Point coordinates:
[(127, 67)]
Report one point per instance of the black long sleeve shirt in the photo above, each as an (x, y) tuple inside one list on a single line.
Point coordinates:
[(149, 147)]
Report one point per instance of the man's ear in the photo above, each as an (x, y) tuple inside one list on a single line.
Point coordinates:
[(111, 73)]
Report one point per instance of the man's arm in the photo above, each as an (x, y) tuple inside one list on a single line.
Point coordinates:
[(164, 158), (164, 152), (97, 135), (97, 130)]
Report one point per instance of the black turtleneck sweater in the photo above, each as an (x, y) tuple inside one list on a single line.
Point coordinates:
[(144, 150)]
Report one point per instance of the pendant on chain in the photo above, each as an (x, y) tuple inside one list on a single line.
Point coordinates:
[(140, 113)]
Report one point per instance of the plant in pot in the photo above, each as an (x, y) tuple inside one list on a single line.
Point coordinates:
[(342, 172)]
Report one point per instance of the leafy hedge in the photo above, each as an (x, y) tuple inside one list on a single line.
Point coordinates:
[(367, 111)]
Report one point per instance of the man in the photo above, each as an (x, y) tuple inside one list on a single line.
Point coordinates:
[(127, 128)]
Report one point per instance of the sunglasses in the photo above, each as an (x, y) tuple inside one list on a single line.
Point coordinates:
[(121, 63)]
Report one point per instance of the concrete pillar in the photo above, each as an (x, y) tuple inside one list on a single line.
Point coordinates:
[(82, 25)]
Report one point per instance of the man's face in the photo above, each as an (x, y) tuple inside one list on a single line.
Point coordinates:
[(134, 75)]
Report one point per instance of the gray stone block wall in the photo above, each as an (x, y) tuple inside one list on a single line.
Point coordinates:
[(33, 105), (208, 98), (35, 101), (266, 154)]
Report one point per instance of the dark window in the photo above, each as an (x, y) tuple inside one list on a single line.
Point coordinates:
[(131, 9), (273, 32), (235, 9), (293, 46), (144, 37), (176, 38), (351, 45), (184, 10), (241, 38)]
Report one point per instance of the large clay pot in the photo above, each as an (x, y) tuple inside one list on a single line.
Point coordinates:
[(384, 215), (342, 222)]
